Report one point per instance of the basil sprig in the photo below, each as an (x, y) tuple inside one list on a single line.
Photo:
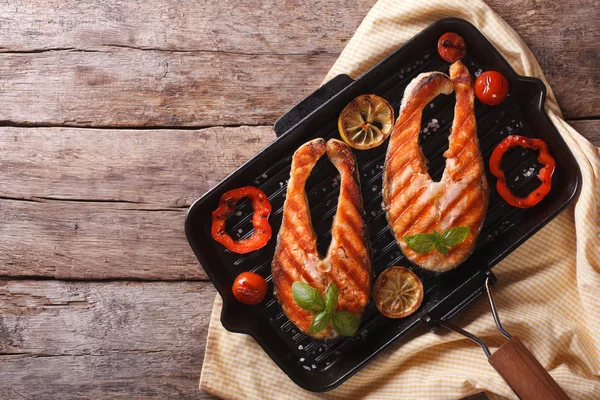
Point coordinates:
[(425, 242), (307, 297), (345, 323)]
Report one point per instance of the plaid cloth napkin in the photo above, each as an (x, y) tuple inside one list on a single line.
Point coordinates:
[(548, 290)]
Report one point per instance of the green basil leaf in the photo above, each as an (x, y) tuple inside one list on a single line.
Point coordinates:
[(307, 297), (320, 322), (437, 236), (455, 235), (421, 243), (345, 323), (441, 247), (331, 297)]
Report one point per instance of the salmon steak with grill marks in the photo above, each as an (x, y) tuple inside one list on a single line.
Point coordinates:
[(347, 262), (414, 203)]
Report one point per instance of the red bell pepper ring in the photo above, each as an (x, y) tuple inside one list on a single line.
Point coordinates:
[(260, 220), (545, 174)]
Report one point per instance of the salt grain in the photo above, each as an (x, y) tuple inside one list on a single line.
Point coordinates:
[(373, 213), (302, 359), (238, 213), (509, 129), (426, 56), (300, 347), (324, 189), (431, 105), (374, 188), (264, 176), (314, 366)]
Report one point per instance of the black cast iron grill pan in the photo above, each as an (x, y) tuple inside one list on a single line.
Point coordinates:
[(317, 365)]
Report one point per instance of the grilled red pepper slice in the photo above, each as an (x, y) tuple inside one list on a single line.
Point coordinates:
[(545, 174), (260, 220)]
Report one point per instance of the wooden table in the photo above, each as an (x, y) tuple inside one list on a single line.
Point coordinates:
[(115, 116)]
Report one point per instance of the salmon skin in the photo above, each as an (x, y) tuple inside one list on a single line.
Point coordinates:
[(347, 262), (414, 203)]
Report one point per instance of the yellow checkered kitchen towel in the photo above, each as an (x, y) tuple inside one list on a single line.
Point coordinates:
[(548, 290)]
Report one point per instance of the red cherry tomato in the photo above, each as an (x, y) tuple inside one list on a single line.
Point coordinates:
[(491, 88), (451, 47), (249, 288)]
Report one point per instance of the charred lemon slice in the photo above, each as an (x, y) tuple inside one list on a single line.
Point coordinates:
[(398, 292), (366, 122)]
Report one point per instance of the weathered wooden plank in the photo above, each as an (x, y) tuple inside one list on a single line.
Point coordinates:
[(220, 75), (154, 168), (77, 340), (128, 224), (268, 26), (129, 87), (90, 240)]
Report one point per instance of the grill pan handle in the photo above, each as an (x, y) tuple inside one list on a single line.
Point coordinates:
[(515, 363), (311, 103)]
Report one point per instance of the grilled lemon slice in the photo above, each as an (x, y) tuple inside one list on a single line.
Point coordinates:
[(398, 292), (366, 122)]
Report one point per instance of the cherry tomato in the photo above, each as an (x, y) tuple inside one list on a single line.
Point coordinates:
[(249, 288), (451, 47), (491, 88)]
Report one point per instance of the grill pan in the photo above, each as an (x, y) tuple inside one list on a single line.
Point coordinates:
[(318, 365)]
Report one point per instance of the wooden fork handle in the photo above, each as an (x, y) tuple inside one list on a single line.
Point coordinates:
[(524, 374)]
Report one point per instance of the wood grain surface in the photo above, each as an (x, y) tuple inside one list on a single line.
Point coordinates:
[(225, 71), (78, 340), (115, 116)]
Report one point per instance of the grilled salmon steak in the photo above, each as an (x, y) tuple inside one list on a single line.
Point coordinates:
[(347, 262), (414, 203)]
